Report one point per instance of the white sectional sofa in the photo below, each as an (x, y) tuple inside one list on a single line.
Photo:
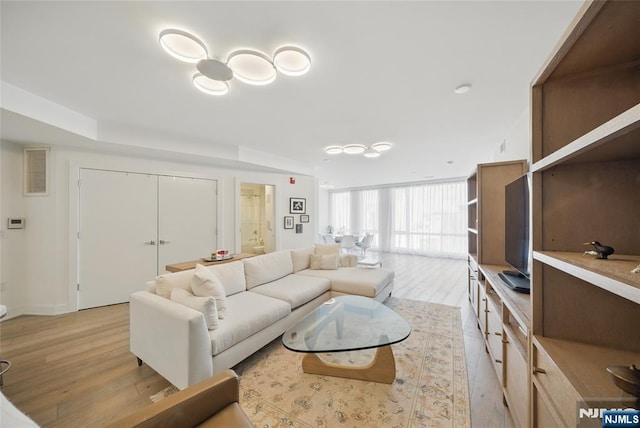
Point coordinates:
[(265, 295)]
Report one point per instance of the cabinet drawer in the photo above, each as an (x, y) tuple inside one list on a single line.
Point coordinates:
[(482, 306), (550, 381), (516, 384), (542, 415)]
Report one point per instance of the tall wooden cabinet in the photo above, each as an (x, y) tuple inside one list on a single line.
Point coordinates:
[(503, 315), (586, 187)]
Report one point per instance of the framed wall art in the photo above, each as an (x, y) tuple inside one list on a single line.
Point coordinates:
[(304, 218), (297, 205), (288, 222)]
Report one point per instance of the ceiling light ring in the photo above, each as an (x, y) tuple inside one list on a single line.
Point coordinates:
[(382, 146), (280, 60), (354, 149), (333, 150), (198, 83), (242, 75), (166, 45)]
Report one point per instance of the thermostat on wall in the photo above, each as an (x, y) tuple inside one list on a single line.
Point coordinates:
[(15, 223)]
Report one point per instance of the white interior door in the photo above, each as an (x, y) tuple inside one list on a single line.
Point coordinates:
[(187, 219), (118, 235)]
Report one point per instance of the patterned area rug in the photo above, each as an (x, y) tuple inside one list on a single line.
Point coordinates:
[(430, 389)]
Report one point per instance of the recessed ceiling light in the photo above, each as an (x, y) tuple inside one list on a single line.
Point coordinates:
[(291, 61), (463, 89), (327, 186), (333, 150), (182, 45), (449, 162), (354, 149), (252, 67), (381, 146)]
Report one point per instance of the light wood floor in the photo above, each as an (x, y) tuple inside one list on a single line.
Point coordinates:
[(75, 370)]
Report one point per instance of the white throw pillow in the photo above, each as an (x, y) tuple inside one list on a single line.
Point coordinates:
[(328, 262), (206, 305), (327, 249), (205, 283)]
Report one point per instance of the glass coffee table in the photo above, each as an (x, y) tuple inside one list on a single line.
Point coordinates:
[(349, 323)]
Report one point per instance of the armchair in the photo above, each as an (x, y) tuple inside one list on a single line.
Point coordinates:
[(212, 402)]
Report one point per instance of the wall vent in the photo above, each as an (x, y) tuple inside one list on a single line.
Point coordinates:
[(36, 171)]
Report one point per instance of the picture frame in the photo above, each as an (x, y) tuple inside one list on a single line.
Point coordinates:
[(299, 228), (298, 205), (304, 218), (288, 222)]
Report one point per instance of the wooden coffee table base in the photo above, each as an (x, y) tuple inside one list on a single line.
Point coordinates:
[(382, 369)]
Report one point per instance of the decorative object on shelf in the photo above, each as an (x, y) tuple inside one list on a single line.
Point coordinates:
[(297, 205), (246, 65), (299, 228), (627, 378), (601, 251), (304, 218), (288, 222)]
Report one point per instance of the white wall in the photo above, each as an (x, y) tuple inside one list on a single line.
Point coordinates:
[(39, 268), (517, 143)]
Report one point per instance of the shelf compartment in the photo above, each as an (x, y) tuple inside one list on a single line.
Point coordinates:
[(613, 274), (621, 135), (585, 366), (575, 309), (580, 202)]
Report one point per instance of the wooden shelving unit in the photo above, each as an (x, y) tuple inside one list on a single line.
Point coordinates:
[(503, 315), (586, 175)]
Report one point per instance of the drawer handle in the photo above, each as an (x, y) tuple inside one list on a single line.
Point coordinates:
[(498, 334), (499, 361), (537, 370), (505, 341)]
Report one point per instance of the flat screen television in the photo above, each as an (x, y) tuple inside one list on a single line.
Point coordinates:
[(516, 234)]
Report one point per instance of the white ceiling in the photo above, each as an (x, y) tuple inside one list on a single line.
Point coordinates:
[(381, 71)]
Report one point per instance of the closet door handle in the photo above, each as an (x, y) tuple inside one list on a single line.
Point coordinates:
[(150, 243), (163, 242)]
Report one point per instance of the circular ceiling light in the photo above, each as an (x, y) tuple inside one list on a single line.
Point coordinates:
[(381, 147), (354, 149), (291, 61), (327, 186), (210, 86), (333, 150), (370, 153), (214, 69), (462, 89), (182, 45), (252, 67)]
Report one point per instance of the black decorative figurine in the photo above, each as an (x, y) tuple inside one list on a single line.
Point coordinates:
[(601, 251)]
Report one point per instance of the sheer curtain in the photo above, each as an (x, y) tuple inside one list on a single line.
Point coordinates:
[(429, 219), (340, 206), (426, 219)]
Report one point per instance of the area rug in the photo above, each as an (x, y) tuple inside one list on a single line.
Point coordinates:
[(430, 389)]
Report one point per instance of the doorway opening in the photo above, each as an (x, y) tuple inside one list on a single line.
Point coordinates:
[(257, 214)]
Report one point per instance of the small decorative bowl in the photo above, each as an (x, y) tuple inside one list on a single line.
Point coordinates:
[(627, 378)]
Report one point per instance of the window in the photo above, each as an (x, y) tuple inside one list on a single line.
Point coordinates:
[(427, 219), (340, 206)]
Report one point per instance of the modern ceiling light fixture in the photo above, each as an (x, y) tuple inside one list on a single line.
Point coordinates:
[(252, 67), (354, 149), (463, 89), (182, 45), (291, 61), (372, 151), (247, 65)]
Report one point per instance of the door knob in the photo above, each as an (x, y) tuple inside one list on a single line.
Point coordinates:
[(150, 243)]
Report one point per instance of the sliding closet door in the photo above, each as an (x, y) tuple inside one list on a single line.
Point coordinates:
[(187, 219), (118, 235)]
